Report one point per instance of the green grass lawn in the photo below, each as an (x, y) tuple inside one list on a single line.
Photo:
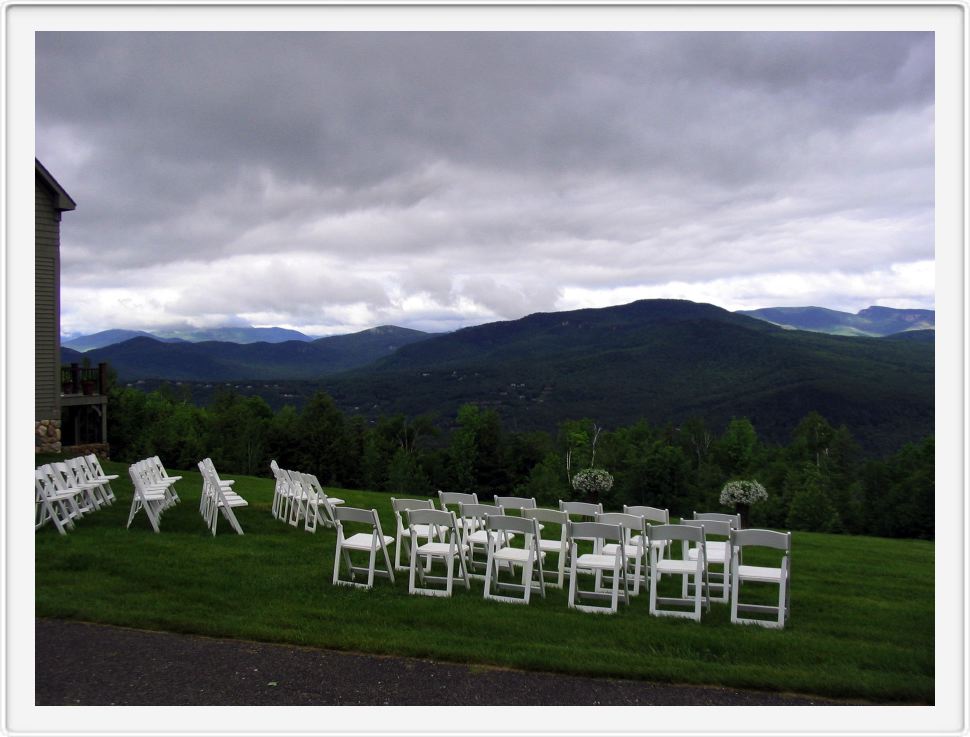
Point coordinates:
[(861, 627)]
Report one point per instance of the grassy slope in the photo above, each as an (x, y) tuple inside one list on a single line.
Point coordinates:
[(851, 598)]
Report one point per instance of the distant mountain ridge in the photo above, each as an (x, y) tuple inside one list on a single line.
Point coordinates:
[(872, 321), (663, 361), (148, 357), (232, 334), (109, 337), (660, 360)]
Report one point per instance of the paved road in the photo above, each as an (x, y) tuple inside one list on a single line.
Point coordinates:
[(128, 664)]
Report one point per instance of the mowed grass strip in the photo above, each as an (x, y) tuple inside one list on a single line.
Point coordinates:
[(861, 627)]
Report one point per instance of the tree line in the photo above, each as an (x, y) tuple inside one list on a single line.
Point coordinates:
[(819, 481)]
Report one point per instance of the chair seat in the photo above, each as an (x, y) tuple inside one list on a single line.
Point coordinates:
[(102, 479), (513, 555), (716, 553), (677, 566), (632, 551), (595, 560), (233, 502), (552, 546), (173, 478), (364, 541), (480, 537), (436, 548), (422, 530), (759, 573), (334, 500), (635, 540)]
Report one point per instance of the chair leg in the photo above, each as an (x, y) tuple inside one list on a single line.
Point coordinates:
[(527, 579), (572, 581)]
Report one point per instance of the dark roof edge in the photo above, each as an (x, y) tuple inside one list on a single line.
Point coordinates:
[(63, 200)]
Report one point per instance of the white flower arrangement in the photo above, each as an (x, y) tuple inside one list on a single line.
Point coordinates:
[(742, 492), (593, 481)]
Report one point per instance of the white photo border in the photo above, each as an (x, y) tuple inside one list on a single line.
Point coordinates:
[(948, 20)]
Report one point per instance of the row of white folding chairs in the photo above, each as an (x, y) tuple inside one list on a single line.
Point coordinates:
[(299, 495), (65, 491), (218, 498), (614, 548), (153, 490)]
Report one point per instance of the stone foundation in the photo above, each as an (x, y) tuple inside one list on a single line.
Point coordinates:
[(47, 436), (99, 449)]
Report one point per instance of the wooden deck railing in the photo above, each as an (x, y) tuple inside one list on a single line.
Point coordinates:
[(77, 379)]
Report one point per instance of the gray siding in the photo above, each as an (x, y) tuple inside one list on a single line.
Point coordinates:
[(47, 365)]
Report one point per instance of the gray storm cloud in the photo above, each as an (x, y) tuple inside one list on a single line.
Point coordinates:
[(332, 181)]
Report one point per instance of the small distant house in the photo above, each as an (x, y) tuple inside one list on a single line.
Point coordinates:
[(70, 402)]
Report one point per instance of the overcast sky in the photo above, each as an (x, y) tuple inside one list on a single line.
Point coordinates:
[(331, 182)]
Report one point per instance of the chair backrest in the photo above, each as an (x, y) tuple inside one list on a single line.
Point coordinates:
[(430, 516), (95, 463), (78, 470), (651, 514), (406, 505), (581, 508), (508, 523), (355, 514), (455, 497), (594, 531), (515, 502), (762, 538), (675, 532), (720, 528), (62, 476), (629, 522), (478, 510), (43, 482), (733, 519), (553, 516)]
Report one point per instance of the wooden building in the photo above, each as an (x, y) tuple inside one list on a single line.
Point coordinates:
[(70, 404)]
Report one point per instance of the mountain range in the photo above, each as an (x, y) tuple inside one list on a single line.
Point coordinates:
[(147, 357), (238, 334), (872, 321), (660, 360)]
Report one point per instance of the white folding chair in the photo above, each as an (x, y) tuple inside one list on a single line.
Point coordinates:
[(499, 529), (153, 478), (54, 505), (323, 503), (634, 544), (207, 498), (85, 475), (761, 574), (581, 512), (164, 477), (76, 475), (279, 488), (471, 517), (434, 526), (221, 499), (452, 501), (302, 500), (368, 542), (97, 473), (597, 562), (151, 499), (559, 547), (65, 480), (717, 534), (683, 567), (650, 515), (424, 531)]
